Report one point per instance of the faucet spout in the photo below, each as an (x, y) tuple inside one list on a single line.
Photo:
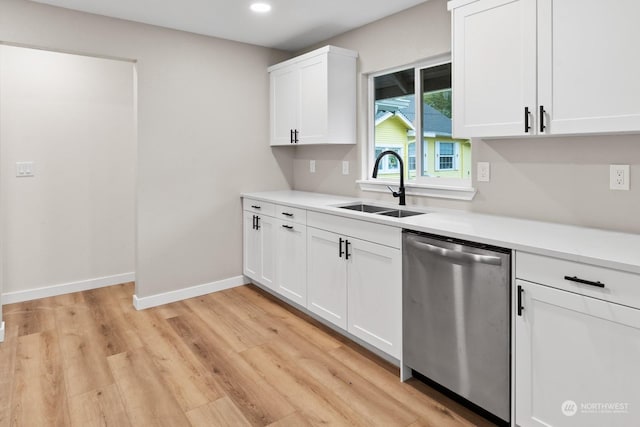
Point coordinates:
[(401, 190)]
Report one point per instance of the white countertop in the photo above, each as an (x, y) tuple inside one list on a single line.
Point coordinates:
[(592, 246)]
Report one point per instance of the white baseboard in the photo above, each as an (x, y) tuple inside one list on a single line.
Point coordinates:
[(1, 331), (66, 288), (190, 292)]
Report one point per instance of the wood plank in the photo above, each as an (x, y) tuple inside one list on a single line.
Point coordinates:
[(146, 397), (294, 420), (116, 333), (260, 403), (237, 335), (39, 395), (313, 401), (31, 317), (187, 379), (84, 362), (433, 408), (8, 354), (102, 407), (223, 413)]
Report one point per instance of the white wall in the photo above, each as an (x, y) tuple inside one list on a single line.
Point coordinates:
[(74, 117), (202, 136), (552, 179)]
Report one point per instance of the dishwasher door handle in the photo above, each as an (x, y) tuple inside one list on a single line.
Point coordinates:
[(457, 255)]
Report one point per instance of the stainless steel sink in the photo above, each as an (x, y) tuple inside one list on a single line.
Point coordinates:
[(397, 213), (362, 207), (380, 210)]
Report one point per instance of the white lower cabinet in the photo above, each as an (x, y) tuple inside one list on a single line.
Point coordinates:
[(356, 285), (291, 261), (374, 295), (327, 276), (259, 244), (577, 359)]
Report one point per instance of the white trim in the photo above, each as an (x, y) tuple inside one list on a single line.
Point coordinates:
[(66, 288), (2, 332), (423, 190), (186, 293)]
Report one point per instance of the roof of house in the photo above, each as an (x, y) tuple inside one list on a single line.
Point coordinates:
[(437, 123)]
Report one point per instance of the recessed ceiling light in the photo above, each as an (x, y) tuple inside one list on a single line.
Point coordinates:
[(260, 7)]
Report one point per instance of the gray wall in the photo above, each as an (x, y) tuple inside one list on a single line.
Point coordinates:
[(202, 136), (552, 179)]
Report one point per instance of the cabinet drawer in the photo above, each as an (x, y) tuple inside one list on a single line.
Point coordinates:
[(288, 213), (372, 232), (619, 286), (258, 206)]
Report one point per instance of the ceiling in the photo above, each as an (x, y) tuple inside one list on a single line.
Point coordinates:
[(291, 25)]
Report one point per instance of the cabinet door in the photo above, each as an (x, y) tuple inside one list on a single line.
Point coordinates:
[(374, 282), (589, 65), (251, 247), (285, 99), (291, 263), (326, 277), (268, 254), (313, 114), (576, 360), (494, 68)]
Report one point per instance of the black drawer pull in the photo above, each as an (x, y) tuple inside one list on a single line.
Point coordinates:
[(584, 282), (255, 206), (257, 222), (288, 227), (340, 251), (346, 249), (287, 214), (520, 306)]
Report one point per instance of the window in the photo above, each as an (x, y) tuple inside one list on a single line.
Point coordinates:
[(447, 155), (411, 114)]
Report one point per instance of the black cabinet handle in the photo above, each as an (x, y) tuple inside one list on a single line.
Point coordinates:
[(287, 214), (255, 206), (346, 246), (288, 227), (520, 307), (257, 222), (542, 112), (340, 251), (253, 225), (584, 282), (290, 136), (527, 126), (295, 136)]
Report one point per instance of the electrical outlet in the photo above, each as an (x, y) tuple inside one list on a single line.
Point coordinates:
[(24, 169), (484, 171), (312, 166), (619, 177), (345, 167)]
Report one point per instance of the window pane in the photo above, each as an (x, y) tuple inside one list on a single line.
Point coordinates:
[(451, 159), (394, 120)]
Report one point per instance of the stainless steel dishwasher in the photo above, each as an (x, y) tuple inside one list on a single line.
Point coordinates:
[(456, 298)]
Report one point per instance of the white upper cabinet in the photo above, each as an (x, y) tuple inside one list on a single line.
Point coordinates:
[(494, 67), (313, 98), (588, 65), (545, 67)]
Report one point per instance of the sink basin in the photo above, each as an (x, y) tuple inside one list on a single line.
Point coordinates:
[(363, 207), (381, 210), (397, 213)]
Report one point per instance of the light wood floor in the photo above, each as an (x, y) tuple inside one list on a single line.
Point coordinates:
[(237, 358)]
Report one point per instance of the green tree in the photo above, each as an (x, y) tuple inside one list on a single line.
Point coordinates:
[(440, 100)]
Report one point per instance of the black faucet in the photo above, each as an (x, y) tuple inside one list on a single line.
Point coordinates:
[(400, 192)]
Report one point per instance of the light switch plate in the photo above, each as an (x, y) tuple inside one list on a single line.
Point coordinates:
[(345, 167), (484, 171), (25, 169), (312, 166)]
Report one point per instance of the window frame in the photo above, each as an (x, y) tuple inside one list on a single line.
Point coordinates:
[(453, 188), (455, 156)]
